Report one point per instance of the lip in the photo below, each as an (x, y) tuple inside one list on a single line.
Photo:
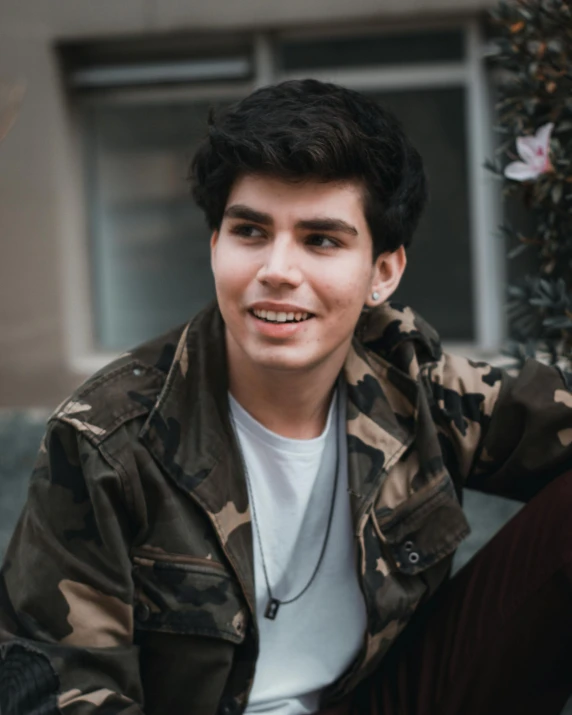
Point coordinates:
[(279, 307), (277, 330)]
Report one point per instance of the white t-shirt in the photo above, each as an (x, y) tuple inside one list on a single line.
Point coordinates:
[(315, 639)]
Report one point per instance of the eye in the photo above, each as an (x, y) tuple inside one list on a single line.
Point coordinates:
[(321, 241), (247, 230)]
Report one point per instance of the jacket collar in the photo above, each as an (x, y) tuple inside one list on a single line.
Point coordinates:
[(392, 327), (189, 432)]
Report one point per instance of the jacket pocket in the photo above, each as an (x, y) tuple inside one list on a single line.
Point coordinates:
[(186, 595), (425, 529)]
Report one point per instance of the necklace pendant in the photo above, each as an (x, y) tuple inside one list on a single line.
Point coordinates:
[(272, 609)]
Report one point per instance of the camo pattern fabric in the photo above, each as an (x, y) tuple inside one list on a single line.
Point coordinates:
[(128, 585)]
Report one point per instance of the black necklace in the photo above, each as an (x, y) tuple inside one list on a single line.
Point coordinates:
[(273, 603)]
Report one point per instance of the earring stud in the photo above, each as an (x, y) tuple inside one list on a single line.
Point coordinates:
[(375, 295)]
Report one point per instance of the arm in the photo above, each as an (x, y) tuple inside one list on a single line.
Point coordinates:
[(507, 435), (66, 617)]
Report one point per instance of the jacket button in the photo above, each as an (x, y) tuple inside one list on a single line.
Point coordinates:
[(408, 546), (229, 706), (414, 557), (142, 612)]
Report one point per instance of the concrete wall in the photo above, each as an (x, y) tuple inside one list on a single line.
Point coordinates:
[(69, 18), (32, 352)]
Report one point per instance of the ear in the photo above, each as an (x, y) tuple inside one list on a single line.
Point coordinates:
[(386, 276)]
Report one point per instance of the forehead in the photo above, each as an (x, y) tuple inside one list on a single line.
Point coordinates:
[(295, 200)]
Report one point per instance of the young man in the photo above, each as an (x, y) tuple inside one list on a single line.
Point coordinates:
[(244, 515)]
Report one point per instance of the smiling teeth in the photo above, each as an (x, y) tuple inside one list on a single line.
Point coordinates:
[(281, 317)]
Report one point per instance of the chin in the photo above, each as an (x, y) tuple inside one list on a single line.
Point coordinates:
[(286, 363)]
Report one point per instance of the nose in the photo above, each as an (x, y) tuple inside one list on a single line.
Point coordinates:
[(280, 266)]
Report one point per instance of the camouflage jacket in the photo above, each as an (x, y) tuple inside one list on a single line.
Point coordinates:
[(128, 585)]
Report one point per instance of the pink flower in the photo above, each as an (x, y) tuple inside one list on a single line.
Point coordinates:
[(533, 150)]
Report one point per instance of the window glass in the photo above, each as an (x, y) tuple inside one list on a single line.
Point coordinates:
[(150, 243), (390, 49), (438, 279)]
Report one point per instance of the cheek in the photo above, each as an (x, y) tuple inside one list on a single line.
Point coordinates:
[(230, 273), (346, 292)]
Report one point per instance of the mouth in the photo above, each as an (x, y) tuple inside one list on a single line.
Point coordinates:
[(274, 317)]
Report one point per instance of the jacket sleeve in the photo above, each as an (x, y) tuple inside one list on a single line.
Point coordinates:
[(66, 594), (504, 434)]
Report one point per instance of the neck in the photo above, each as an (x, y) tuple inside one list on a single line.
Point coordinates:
[(293, 405)]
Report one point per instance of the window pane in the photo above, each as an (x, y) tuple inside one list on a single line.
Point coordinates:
[(438, 279), (371, 50), (150, 247)]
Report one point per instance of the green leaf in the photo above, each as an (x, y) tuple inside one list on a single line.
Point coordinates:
[(492, 167), (556, 193), (523, 12), (516, 291), (530, 105), (518, 250), (554, 45), (545, 287), (558, 322)]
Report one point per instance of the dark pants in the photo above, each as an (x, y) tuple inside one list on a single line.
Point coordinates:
[(497, 638)]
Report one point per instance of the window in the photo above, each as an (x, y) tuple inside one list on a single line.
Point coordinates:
[(148, 243)]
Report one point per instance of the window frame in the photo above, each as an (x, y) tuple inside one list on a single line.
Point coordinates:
[(487, 256)]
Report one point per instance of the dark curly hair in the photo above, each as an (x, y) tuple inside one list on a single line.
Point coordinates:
[(303, 129)]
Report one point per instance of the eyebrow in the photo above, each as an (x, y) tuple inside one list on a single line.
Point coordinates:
[(246, 213)]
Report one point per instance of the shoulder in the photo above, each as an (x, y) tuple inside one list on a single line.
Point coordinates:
[(464, 389), (401, 336), (125, 389)]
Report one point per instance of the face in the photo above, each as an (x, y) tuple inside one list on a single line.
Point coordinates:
[(293, 269)]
